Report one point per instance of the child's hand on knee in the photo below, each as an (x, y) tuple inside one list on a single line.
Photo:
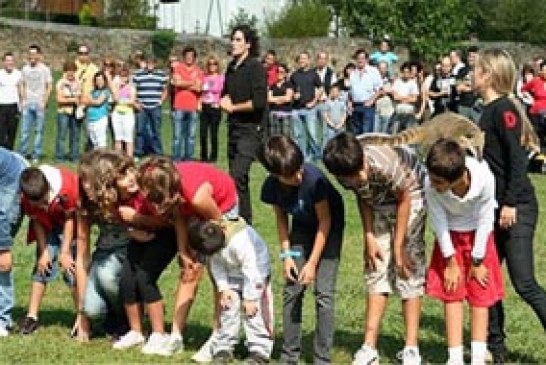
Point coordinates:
[(44, 263), (290, 271), (372, 253), (480, 274), (226, 299), (250, 307), (404, 264), (452, 275), (67, 263), (307, 273)]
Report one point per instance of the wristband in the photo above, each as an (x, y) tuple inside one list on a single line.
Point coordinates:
[(289, 253)]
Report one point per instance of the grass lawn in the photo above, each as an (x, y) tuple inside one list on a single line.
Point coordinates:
[(51, 344)]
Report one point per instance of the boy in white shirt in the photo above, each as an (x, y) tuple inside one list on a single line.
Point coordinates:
[(240, 266), (460, 193)]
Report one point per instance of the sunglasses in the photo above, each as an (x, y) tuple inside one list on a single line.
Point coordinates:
[(108, 65), (83, 52), (213, 63)]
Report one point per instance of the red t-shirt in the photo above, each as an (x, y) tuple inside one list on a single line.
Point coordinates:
[(195, 174), (184, 99), (62, 207), (272, 75), (537, 88), (139, 203)]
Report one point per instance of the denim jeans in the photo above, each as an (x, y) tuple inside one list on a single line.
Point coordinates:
[(515, 246), (400, 122), (10, 207), (306, 133), (363, 118), (330, 133), (324, 290), (67, 123), (184, 127), (148, 132), (54, 247), (102, 290), (33, 116), (280, 123)]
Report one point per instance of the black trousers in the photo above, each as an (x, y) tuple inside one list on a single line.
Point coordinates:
[(145, 263), (9, 119), (515, 246), (244, 139), (210, 121)]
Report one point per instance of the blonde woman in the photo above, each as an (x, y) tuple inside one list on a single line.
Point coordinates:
[(503, 121)]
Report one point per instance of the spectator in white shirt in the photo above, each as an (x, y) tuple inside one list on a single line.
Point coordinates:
[(10, 96), (404, 93)]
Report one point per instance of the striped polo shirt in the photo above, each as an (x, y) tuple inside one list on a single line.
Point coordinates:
[(390, 170), (149, 87)]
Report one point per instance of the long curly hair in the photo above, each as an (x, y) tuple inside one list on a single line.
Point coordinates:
[(99, 171), (160, 182)]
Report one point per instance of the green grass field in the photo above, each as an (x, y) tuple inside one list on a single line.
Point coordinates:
[(51, 343)]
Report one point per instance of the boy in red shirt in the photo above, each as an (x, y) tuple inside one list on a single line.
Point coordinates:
[(49, 198)]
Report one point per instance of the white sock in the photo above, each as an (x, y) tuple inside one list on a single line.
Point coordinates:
[(478, 351), (456, 354), (33, 317), (176, 336), (415, 349)]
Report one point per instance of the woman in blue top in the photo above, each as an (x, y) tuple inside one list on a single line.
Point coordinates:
[(97, 110)]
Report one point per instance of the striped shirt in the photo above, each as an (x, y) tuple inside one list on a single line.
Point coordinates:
[(149, 87), (391, 170)]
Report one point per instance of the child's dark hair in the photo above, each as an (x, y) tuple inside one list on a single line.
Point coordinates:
[(446, 159), (96, 76), (34, 184), (160, 179), (343, 155), (206, 237), (280, 155)]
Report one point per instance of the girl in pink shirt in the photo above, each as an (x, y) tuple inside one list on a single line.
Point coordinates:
[(210, 112)]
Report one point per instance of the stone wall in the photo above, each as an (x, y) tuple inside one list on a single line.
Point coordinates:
[(57, 41)]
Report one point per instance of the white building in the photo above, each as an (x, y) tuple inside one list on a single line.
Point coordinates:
[(198, 16)]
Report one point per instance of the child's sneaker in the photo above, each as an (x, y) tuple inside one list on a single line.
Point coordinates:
[(130, 339), (205, 352), (409, 357), (366, 356), (28, 325), (175, 345), (157, 345), (222, 357)]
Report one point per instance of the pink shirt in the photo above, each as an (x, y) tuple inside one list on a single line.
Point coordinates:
[(212, 88)]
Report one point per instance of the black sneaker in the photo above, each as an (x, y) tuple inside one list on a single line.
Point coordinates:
[(28, 326), (222, 357), (256, 358)]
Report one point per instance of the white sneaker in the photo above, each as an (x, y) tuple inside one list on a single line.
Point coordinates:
[(454, 362), (157, 345), (409, 357), (130, 339), (3, 332), (488, 357), (175, 345), (366, 356), (205, 352)]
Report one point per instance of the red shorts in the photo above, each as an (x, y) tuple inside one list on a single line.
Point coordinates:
[(468, 289)]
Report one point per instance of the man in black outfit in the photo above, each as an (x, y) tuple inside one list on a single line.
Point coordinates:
[(244, 99)]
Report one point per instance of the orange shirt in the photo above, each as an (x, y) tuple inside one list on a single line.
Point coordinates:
[(185, 99)]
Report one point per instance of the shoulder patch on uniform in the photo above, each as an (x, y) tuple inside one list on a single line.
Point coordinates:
[(509, 119)]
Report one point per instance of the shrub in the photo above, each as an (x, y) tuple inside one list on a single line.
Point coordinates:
[(163, 43), (307, 18)]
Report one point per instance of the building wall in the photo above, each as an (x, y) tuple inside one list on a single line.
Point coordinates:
[(69, 6)]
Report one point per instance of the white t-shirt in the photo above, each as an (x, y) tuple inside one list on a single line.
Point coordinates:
[(473, 212), (35, 79), (405, 89), (9, 93)]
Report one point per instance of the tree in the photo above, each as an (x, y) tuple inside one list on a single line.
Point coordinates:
[(512, 20), (300, 19), (426, 27), (242, 17), (129, 14)]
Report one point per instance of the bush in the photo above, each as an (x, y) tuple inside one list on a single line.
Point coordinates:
[(163, 43), (300, 19), (85, 15)]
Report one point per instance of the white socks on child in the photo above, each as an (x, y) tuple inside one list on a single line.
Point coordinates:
[(455, 355), (478, 351)]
